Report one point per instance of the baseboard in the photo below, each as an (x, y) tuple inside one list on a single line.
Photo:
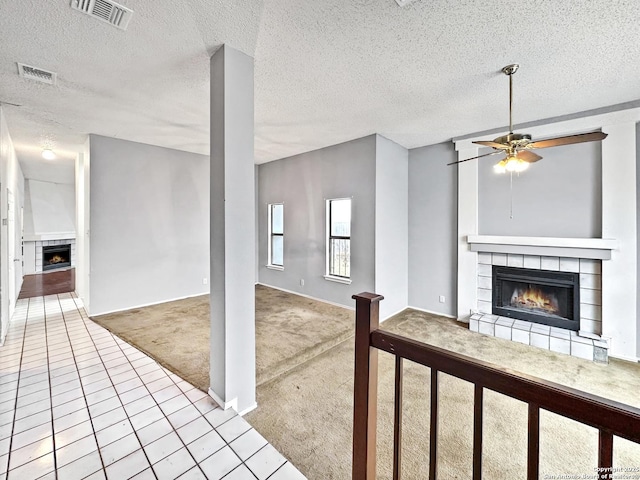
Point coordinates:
[(248, 409), (231, 404), (221, 403), (307, 296), (149, 304), (432, 312), (625, 358), (393, 314)]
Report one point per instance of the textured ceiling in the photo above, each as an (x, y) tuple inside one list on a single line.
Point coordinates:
[(326, 71)]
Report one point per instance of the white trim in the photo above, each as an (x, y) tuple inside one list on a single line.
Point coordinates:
[(250, 408), (436, 313), (270, 237), (147, 304), (306, 296), (50, 236), (625, 358), (619, 276), (221, 403), (590, 243), (467, 217), (331, 278), (327, 235), (594, 248)]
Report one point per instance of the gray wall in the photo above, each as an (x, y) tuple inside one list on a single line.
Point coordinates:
[(433, 228), (149, 224), (303, 183), (558, 196), (392, 225)]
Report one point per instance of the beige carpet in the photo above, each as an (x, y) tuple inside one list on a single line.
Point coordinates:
[(290, 329), (307, 412)]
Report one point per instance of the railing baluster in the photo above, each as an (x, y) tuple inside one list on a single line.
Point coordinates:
[(608, 416), (477, 432), (433, 433), (605, 453), (365, 396), (397, 425), (533, 452)]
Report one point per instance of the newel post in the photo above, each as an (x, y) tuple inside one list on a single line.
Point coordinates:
[(365, 391)]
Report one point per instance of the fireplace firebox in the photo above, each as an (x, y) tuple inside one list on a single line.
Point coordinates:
[(56, 256), (539, 296)]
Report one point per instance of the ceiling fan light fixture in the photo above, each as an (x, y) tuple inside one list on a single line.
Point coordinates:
[(522, 166), (500, 167), (515, 164), (48, 154)]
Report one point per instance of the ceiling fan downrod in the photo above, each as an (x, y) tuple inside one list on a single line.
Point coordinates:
[(509, 70)]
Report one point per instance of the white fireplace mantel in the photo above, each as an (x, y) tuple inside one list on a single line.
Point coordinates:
[(596, 248), (619, 190)]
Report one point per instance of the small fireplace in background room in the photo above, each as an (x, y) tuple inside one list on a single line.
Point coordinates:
[(538, 296), (56, 256)]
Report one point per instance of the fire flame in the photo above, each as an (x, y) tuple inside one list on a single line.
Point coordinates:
[(57, 259), (535, 299)]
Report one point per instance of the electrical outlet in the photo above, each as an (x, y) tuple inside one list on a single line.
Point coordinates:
[(205, 281), (441, 298), (302, 282)]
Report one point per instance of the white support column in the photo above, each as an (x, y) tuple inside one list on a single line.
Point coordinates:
[(467, 225), (619, 275), (232, 356)]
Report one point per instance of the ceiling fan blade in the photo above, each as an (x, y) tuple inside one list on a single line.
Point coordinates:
[(528, 156), (474, 158), (500, 146), (555, 142)]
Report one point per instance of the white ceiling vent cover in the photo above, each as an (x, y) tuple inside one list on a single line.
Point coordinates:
[(105, 10), (404, 3), (37, 74)]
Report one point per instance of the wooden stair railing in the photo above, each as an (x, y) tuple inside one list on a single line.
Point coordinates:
[(609, 417)]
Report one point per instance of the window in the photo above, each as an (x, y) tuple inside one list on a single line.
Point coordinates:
[(276, 235), (339, 238)]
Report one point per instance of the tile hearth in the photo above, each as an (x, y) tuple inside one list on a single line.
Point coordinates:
[(584, 345)]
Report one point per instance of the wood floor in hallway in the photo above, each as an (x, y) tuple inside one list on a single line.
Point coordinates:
[(51, 283)]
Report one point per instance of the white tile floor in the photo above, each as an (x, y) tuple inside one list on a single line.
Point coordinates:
[(77, 402)]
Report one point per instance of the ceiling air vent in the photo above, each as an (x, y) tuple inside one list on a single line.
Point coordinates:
[(37, 74), (105, 10), (404, 3)]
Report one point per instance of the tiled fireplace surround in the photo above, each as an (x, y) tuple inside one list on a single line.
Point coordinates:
[(587, 343), (616, 245), (44, 243)]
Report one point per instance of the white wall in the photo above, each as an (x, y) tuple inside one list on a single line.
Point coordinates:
[(392, 226), (49, 209), (10, 271), (433, 228), (304, 183), (149, 233), (84, 228), (638, 242)]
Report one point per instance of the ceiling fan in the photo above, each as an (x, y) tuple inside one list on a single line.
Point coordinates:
[(517, 146)]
